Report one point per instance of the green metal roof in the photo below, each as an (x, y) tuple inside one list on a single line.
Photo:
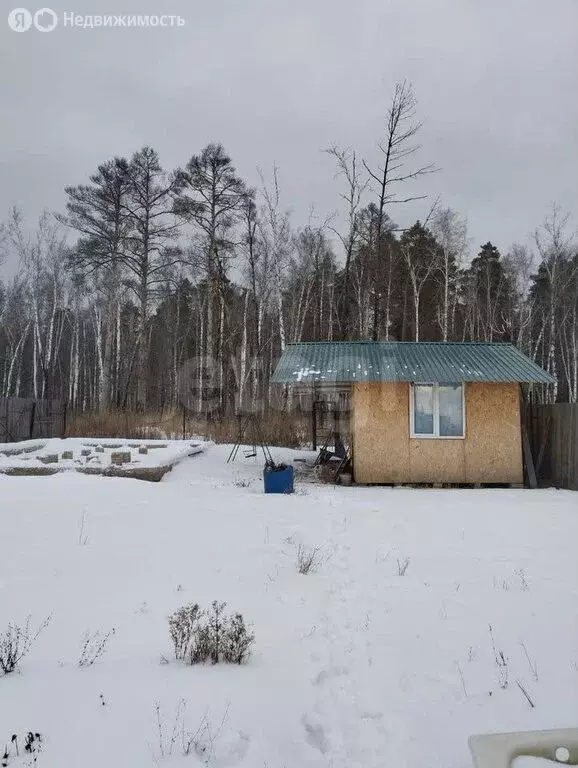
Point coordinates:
[(427, 362)]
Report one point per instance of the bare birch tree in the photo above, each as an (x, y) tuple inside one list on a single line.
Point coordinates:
[(42, 263), (355, 186), (396, 148), (421, 254), (450, 231), (275, 231), (554, 241)]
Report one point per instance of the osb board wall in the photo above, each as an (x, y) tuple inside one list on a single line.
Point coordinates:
[(431, 460), (383, 451), (493, 445), (380, 432)]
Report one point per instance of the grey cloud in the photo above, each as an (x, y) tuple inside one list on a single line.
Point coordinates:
[(278, 81)]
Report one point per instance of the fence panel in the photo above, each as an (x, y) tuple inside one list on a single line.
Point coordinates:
[(553, 431), (24, 418)]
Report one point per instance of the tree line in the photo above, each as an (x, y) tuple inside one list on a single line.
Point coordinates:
[(156, 288)]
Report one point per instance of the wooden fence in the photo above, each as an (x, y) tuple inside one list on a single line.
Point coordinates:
[(24, 418), (553, 434)]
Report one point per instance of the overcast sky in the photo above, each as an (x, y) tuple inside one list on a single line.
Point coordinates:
[(276, 81)]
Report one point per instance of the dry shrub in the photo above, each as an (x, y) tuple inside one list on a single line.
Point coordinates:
[(183, 627), (308, 560), (16, 642), (210, 635), (277, 428), (124, 424), (93, 647)]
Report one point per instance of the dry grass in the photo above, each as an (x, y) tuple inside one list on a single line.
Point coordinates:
[(277, 428)]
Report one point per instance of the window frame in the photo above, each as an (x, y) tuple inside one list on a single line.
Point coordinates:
[(436, 410)]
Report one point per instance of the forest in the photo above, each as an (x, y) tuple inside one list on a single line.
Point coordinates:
[(156, 288)]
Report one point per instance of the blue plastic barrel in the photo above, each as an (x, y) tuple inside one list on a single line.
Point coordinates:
[(278, 480)]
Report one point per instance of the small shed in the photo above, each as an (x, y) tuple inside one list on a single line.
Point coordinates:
[(424, 412)]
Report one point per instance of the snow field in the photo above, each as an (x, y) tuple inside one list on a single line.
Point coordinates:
[(354, 664)]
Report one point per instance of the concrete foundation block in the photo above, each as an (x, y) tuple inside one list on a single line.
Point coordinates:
[(120, 457)]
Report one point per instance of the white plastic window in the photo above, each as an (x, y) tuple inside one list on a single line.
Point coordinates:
[(437, 410)]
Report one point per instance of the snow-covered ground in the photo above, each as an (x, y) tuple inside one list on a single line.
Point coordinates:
[(354, 665)]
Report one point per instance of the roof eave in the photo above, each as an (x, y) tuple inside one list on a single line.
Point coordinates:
[(343, 382)]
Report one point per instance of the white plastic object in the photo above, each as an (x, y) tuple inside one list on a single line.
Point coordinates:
[(498, 750)]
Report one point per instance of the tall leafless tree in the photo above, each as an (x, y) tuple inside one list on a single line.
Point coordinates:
[(355, 186), (450, 231), (391, 172)]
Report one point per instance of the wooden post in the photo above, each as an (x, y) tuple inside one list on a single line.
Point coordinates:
[(532, 482), (32, 415), (526, 448), (184, 422), (314, 422), (545, 432)]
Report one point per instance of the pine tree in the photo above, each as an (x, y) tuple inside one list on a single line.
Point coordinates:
[(97, 211), (149, 256), (488, 297), (212, 198), (421, 257)]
